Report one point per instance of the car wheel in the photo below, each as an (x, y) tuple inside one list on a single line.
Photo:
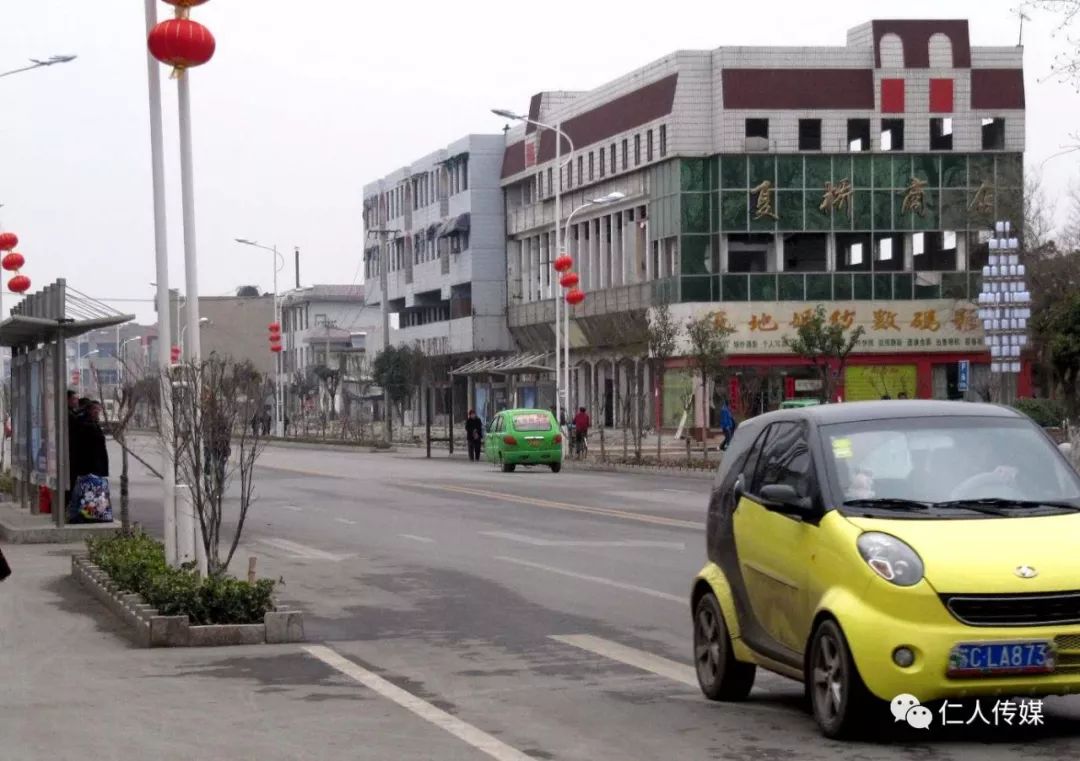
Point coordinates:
[(508, 467), (720, 676), (556, 467), (840, 702)]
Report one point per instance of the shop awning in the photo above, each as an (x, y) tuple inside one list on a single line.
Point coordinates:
[(459, 224), (515, 365)]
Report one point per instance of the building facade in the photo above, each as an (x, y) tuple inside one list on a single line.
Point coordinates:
[(101, 361), (759, 183), (441, 226)]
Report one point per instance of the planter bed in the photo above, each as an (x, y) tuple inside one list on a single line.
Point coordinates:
[(151, 629)]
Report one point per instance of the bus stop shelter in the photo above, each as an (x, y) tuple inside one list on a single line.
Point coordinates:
[(36, 332)]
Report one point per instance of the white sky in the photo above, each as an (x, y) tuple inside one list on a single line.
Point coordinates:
[(307, 100)]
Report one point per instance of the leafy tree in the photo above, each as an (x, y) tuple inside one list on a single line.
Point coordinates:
[(709, 337), (394, 370), (1059, 327), (663, 334), (827, 344)]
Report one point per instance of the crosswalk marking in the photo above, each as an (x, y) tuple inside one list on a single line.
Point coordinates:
[(416, 538), (640, 659)]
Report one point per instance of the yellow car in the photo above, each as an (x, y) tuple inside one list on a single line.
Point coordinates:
[(918, 550)]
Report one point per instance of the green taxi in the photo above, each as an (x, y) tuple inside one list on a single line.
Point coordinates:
[(524, 437)]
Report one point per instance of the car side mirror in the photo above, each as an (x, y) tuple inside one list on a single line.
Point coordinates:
[(738, 490), (782, 498)]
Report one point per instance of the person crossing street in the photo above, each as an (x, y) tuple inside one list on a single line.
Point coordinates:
[(474, 435)]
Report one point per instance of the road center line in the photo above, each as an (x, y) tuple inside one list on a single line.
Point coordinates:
[(346, 521), (608, 512), (535, 542), (416, 538), (631, 656), (597, 579), (469, 734)]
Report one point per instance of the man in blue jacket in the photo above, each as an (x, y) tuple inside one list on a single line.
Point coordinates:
[(727, 425)]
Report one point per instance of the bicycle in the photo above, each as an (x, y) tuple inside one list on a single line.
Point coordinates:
[(581, 446)]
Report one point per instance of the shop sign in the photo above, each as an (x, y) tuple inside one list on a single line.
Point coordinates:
[(807, 384)]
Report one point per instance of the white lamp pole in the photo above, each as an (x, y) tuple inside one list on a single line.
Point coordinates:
[(279, 391)]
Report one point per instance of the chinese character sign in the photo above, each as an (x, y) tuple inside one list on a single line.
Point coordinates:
[(766, 202)]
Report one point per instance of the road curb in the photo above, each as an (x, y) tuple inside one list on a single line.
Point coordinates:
[(151, 629)]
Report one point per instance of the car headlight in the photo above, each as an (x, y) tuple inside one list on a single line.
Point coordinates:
[(891, 559)]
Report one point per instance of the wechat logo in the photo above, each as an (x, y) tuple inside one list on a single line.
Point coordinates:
[(908, 708)]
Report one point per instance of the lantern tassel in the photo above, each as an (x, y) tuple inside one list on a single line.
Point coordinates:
[(177, 72)]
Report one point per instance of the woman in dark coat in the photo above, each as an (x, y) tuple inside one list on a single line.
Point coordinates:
[(89, 453)]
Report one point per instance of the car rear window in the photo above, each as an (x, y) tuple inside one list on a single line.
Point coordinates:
[(535, 421)]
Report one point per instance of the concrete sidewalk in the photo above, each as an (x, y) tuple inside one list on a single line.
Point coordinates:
[(72, 687)]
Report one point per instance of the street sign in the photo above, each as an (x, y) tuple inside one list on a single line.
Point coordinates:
[(963, 375)]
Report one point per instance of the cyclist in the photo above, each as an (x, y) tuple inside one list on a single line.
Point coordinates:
[(581, 429)]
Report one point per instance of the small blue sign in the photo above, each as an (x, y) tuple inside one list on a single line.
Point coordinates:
[(963, 375)]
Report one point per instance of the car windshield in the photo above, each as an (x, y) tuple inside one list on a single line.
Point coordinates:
[(960, 460), (533, 421)]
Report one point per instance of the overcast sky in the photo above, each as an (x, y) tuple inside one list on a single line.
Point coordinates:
[(307, 100)]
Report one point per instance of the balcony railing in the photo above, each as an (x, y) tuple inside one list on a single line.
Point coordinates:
[(824, 286)]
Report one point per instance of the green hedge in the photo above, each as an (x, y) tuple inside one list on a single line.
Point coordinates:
[(1046, 412), (137, 564)]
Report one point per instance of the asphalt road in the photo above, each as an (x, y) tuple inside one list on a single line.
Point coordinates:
[(512, 616)]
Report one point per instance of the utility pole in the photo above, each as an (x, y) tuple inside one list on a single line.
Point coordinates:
[(384, 260)]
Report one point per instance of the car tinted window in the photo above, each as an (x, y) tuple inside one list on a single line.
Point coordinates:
[(532, 421), (785, 459), (754, 456), (496, 424)]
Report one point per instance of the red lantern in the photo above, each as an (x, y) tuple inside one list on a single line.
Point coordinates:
[(13, 262), (275, 327), (563, 263), (175, 353), (8, 241), (575, 297), (276, 348), (181, 43), (569, 280), (19, 284)]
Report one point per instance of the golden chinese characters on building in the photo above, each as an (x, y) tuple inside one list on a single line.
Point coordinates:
[(764, 322), (766, 202), (885, 320), (983, 199), (915, 198), (844, 319), (837, 197), (926, 320)]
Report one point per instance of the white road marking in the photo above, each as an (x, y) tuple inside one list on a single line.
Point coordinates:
[(346, 521), (522, 539), (598, 580), (294, 508), (416, 538), (467, 733), (302, 550), (640, 659)]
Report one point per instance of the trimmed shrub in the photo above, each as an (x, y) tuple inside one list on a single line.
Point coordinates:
[(1045, 412)]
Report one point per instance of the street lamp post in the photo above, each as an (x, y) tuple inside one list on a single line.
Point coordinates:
[(121, 355), (559, 239), (279, 400), (82, 374), (384, 258), (202, 321)]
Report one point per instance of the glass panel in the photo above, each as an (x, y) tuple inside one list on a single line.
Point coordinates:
[(862, 171), (818, 172), (791, 209), (862, 218), (714, 210), (901, 221), (695, 254), (1010, 171), (735, 288), (841, 168), (980, 207), (733, 214), (791, 287), (762, 168), (883, 286), (763, 287), (902, 282), (928, 169), (927, 290), (763, 218), (882, 166), (842, 290), (789, 172), (1010, 206), (930, 220), (982, 170), (954, 285), (901, 171), (954, 209), (714, 173), (694, 174), (862, 287), (733, 172), (954, 171), (816, 219), (695, 213), (882, 212), (819, 287), (974, 282), (697, 288)]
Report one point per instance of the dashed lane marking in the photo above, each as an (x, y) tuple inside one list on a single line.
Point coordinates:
[(640, 659), (535, 542), (416, 538), (597, 580), (302, 550)]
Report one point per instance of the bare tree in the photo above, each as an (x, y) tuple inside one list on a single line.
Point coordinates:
[(1038, 213), (708, 336), (1066, 14), (210, 406), (663, 334)]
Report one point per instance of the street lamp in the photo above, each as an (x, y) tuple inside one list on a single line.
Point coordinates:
[(38, 63), (279, 394), (607, 200), (384, 262), (202, 322), (82, 379), (559, 239), (121, 355)]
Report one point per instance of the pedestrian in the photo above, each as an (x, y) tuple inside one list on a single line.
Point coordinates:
[(902, 395), (285, 424), (266, 420), (727, 425), (256, 425), (474, 432), (89, 467), (581, 428)]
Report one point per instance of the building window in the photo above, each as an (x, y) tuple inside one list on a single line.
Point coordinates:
[(613, 156), (592, 166), (539, 185), (581, 170), (885, 250), (757, 128), (625, 155), (993, 134), (603, 162), (892, 134), (858, 134), (637, 150), (550, 177), (663, 140), (855, 255), (809, 134), (648, 146), (464, 167), (941, 134), (569, 175)]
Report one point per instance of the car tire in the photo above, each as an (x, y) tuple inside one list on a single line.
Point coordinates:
[(839, 700), (720, 676), (556, 467), (508, 467)]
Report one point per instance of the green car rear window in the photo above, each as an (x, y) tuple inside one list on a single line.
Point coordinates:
[(532, 422)]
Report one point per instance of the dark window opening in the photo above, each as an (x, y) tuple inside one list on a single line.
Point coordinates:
[(809, 134), (663, 140), (614, 167), (854, 252), (806, 252), (637, 150), (941, 134), (648, 146), (625, 154), (888, 253), (592, 167), (581, 169), (603, 162), (892, 134), (757, 128), (934, 251), (858, 135), (749, 253), (993, 134)]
